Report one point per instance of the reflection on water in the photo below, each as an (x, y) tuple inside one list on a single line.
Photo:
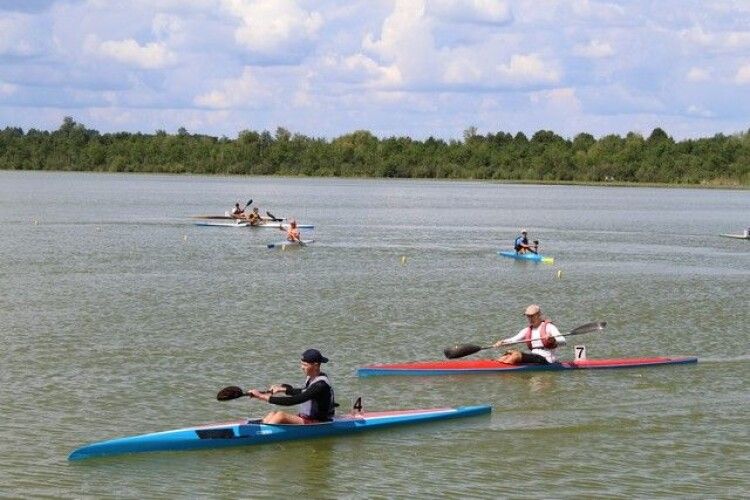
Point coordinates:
[(541, 383)]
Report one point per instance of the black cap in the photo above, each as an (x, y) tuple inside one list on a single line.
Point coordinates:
[(313, 356)]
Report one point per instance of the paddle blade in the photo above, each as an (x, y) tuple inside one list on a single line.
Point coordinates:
[(588, 328), (249, 202), (459, 351), (231, 392)]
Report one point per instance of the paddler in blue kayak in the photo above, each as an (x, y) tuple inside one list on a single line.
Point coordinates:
[(318, 404), (521, 244), (541, 337)]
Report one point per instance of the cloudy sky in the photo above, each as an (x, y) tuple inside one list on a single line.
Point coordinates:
[(395, 67)]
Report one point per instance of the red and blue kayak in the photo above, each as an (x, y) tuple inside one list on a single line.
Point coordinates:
[(250, 432), (475, 366)]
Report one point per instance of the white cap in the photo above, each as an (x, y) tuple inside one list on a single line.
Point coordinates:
[(532, 309)]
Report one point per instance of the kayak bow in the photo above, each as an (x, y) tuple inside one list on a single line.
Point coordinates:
[(251, 432), (476, 366)]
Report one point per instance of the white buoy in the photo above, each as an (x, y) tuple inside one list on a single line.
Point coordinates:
[(403, 260), (559, 273)]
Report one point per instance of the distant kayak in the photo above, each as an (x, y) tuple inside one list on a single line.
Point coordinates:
[(252, 432), (534, 257), (283, 245), (229, 217), (477, 366), (737, 236), (241, 223)]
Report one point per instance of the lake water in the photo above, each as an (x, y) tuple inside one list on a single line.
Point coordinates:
[(119, 316)]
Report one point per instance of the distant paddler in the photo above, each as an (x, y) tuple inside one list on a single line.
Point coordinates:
[(541, 337), (254, 217), (292, 232), (238, 212), (521, 243)]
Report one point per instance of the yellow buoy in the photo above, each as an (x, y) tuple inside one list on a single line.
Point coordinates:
[(403, 260), (559, 273)]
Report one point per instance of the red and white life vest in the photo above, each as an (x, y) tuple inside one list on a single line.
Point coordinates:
[(547, 341)]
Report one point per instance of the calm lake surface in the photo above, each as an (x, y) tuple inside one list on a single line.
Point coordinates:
[(119, 316)]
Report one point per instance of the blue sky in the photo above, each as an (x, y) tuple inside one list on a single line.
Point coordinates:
[(399, 67)]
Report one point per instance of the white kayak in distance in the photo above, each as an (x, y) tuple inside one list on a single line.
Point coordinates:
[(244, 223), (744, 236), (286, 244)]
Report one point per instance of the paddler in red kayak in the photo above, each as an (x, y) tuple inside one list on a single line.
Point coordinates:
[(541, 337), (318, 404)]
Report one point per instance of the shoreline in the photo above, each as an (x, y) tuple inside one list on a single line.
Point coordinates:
[(734, 187)]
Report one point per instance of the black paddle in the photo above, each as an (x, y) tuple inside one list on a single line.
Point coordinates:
[(249, 202), (273, 217), (233, 392), (459, 351)]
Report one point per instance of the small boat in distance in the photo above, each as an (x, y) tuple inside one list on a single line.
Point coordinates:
[(244, 223), (744, 236), (283, 245), (533, 257)]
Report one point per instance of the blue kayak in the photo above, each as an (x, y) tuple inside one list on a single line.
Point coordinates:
[(534, 257), (251, 432)]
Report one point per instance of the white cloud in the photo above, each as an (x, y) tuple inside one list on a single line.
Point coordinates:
[(596, 10), (696, 74), (362, 67), (7, 88), (721, 41), (245, 91), (595, 49), (563, 99), (17, 36), (271, 25), (742, 77), (471, 11), (152, 55), (696, 110), (527, 69), (460, 70)]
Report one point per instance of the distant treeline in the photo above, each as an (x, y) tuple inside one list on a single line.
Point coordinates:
[(719, 160)]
